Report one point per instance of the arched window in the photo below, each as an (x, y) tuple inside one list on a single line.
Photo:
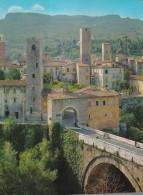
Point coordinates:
[(33, 48), (33, 75)]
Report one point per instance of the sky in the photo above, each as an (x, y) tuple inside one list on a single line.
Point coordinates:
[(124, 8)]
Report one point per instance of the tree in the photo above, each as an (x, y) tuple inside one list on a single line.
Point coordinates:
[(126, 74), (46, 77), (9, 173), (14, 74), (2, 74), (36, 176)]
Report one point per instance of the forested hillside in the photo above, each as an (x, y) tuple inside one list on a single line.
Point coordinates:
[(17, 27)]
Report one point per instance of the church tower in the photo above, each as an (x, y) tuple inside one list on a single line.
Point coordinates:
[(34, 80)]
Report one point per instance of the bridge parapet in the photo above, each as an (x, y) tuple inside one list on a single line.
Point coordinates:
[(112, 148), (111, 136)]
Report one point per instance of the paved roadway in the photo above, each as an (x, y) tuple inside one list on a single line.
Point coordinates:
[(107, 140)]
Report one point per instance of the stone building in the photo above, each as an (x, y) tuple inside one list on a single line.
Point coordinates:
[(105, 76), (105, 52), (83, 73), (136, 84), (136, 65), (96, 108), (64, 71), (2, 47), (12, 98), (34, 80)]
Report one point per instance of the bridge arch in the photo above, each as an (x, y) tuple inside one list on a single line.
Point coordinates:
[(101, 162), (69, 116)]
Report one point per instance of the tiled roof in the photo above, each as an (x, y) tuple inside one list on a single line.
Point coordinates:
[(83, 89), (136, 77), (7, 63), (54, 64), (101, 93), (60, 96), (139, 60), (81, 64), (16, 83)]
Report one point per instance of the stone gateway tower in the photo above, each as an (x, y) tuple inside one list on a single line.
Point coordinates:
[(34, 80), (85, 45)]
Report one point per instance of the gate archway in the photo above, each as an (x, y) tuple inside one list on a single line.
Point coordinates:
[(69, 117)]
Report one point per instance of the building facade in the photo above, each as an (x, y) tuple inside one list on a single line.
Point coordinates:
[(105, 77)]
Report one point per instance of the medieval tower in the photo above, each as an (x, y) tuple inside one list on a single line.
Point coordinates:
[(85, 45), (2, 47), (34, 81), (105, 51), (85, 55)]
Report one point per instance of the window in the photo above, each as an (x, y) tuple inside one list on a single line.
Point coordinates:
[(106, 51), (104, 102), (14, 99), (45, 70), (33, 88), (86, 69), (67, 69), (106, 71), (30, 110), (33, 99), (86, 77), (33, 75), (33, 48), (89, 117), (89, 103), (51, 70), (36, 65), (97, 103), (5, 101), (105, 114), (111, 115), (111, 102)]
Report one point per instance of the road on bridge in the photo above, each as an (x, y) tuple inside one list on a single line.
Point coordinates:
[(92, 135)]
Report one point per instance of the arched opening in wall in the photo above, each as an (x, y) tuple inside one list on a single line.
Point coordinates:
[(69, 117), (106, 178)]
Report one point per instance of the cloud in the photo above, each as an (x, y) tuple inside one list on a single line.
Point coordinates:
[(15, 8), (37, 7)]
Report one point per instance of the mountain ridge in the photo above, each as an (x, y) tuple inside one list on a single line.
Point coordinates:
[(18, 27)]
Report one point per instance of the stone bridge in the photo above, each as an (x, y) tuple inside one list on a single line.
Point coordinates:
[(109, 159)]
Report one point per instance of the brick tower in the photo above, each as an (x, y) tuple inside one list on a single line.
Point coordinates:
[(105, 52), (2, 47), (34, 81)]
